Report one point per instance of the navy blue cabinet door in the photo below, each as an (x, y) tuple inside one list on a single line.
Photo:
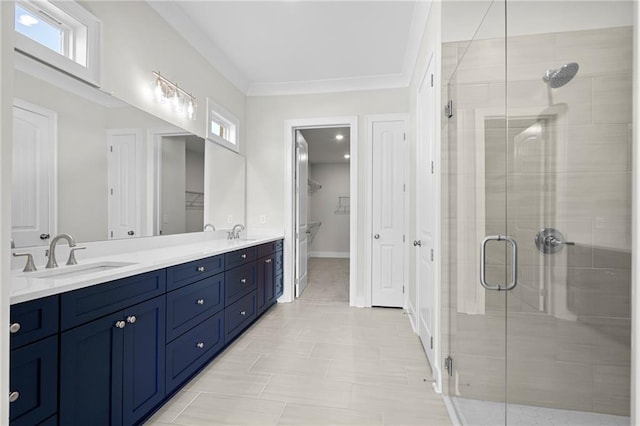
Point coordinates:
[(34, 379), (91, 373), (266, 291), (144, 368)]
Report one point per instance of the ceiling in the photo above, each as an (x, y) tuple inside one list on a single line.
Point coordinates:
[(324, 147), (287, 47)]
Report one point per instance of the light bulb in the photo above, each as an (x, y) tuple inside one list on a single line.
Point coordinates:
[(190, 109), (157, 92)]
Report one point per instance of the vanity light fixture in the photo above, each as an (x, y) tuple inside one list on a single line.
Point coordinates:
[(182, 102), (347, 156)]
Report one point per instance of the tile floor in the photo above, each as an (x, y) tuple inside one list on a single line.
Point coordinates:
[(315, 363)]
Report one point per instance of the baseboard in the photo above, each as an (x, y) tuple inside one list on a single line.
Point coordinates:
[(412, 317), (338, 254)]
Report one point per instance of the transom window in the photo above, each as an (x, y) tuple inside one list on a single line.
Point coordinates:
[(64, 35), (222, 126)]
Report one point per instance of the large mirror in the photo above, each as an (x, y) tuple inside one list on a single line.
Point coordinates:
[(88, 164)]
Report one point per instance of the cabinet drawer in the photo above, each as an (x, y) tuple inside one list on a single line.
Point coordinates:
[(84, 305), (279, 263), (33, 320), (239, 257), (189, 352), (189, 305), (34, 376), (266, 249), (187, 273), (238, 282), (239, 315)]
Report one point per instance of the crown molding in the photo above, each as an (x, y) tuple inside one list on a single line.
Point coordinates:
[(184, 26), (377, 82)]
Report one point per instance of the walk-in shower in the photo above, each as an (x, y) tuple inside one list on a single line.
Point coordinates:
[(559, 77), (554, 178)]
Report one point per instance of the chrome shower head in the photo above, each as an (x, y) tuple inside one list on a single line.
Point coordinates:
[(561, 76)]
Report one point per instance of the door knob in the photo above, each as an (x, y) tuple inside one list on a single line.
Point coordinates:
[(130, 233), (44, 236), (376, 236), (417, 243)]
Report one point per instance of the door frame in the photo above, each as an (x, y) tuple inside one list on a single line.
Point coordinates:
[(368, 166), (290, 200), (52, 130)]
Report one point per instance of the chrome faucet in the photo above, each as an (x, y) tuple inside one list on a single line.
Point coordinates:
[(51, 263), (209, 226), (234, 234)]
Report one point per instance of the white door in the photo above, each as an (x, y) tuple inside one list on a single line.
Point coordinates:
[(387, 279), (302, 159), (124, 147), (426, 215), (33, 191)]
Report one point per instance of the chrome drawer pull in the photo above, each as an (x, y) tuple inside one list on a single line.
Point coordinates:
[(200, 345), (131, 319), (200, 301), (243, 280), (13, 396), (120, 324), (243, 313), (14, 328), (267, 261), (200, 268), (244, 256)]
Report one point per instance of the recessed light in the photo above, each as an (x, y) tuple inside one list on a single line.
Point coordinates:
[(347, 156), (339, 137)]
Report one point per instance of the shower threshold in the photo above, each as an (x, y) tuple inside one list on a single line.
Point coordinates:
[(473, 412)]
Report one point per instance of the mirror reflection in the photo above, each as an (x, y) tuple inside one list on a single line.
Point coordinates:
[(88, 164)]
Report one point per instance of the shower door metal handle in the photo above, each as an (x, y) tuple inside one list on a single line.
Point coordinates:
[(514, 261)]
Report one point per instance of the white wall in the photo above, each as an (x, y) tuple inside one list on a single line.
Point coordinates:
[(266, 117), (332, 238)]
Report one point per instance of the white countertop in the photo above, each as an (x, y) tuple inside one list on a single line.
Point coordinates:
[(25, 286)]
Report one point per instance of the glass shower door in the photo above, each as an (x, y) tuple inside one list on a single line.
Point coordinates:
[(478, 263)]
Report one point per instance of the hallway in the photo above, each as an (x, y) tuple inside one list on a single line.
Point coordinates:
[(315, 363)]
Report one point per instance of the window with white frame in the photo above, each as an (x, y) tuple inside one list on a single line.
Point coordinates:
[(62, 34), (222, 126)]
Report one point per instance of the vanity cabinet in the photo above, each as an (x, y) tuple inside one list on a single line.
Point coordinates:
[(33, 382), (112, 368), (112, 353)]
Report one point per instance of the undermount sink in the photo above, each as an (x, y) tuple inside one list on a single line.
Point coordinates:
[(77, 270)]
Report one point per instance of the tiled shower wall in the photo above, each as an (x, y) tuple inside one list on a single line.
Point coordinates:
[(563, 163)]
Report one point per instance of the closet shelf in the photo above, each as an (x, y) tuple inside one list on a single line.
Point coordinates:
[(313, 186), (194, 200), (312, 230)]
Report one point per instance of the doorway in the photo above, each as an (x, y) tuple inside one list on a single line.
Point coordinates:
[(299, 234), (327, 204)]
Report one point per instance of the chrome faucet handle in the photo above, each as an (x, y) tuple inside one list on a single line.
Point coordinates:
[(209, 226), (30, 266), (72, 255)]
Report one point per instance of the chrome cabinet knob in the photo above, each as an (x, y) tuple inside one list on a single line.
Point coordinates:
[(200, 268), (200, 301), (243, 280), (200, 345), (243, 255), (267, 261), (14, 328), (376, 236), (243, 313), (13, 396), (131, 319), (120, 324)]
